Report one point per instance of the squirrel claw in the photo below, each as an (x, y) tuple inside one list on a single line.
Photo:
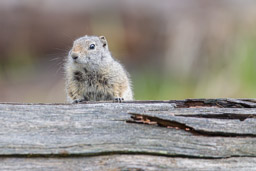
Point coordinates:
[(119, 99), (78, 101)]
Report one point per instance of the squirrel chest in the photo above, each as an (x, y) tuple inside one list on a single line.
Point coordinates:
[(94, 85)]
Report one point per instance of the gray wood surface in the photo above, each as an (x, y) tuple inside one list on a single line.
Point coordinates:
[(206, 134), (127, 163)]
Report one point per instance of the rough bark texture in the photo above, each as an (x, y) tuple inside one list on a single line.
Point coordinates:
[(206, 134)]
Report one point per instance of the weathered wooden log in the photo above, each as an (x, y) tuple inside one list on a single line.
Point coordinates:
[(208, 134)]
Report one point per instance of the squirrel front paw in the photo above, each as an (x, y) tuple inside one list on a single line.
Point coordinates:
[(78, 101), (118, 99)]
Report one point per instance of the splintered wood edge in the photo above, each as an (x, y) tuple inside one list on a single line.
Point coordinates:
[(163, 120), (187, 103)]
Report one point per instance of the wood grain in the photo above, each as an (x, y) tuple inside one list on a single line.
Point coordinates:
[(128, 162), (162, 135)]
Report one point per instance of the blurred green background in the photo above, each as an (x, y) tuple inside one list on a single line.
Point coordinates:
[(174, 49)]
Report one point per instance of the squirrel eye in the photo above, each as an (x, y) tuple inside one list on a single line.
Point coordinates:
[(92, 46)]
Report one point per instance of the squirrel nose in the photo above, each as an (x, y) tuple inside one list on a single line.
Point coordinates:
[(74, 56)]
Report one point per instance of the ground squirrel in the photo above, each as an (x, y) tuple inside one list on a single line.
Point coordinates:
[(92, 74)]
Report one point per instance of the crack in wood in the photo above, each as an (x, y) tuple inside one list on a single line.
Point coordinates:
[(150, 120), (219, 103), (240, 117), (118, 152)]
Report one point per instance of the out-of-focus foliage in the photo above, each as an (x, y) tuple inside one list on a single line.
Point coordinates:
[(174, 49)]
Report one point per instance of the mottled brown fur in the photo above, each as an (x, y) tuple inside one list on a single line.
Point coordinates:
[(95, 75)]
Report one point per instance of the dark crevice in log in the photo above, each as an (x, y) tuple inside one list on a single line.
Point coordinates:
[(219, 103), (244, 103), (150, 120), (197, 103), (109, 153), (240, 117), (249, 100)]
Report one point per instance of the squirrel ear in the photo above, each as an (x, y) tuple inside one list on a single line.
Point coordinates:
[(104, 41)]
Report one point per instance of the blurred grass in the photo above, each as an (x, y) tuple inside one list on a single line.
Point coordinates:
[(246, 65), (151, 86), (235, 79), (18, 66)]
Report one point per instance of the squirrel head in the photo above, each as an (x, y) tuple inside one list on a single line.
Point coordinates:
[(89, 50)]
